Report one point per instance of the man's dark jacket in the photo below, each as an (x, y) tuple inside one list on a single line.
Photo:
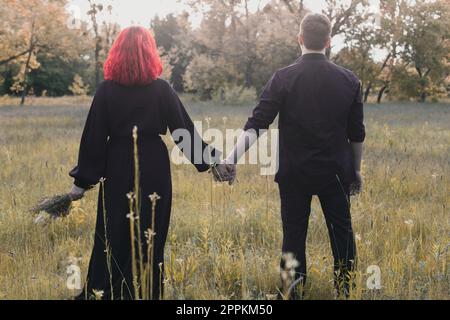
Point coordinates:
[(320, 113)]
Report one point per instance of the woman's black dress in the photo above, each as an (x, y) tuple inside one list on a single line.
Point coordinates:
[(106, 151)]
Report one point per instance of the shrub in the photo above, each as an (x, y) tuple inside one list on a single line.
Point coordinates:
[(234, 95)]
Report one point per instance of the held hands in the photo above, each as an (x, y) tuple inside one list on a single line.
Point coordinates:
[(224, 172)]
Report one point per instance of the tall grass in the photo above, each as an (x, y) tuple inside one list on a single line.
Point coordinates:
[(233, 234)]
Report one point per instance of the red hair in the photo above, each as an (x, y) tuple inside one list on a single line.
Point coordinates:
[(133, 58)]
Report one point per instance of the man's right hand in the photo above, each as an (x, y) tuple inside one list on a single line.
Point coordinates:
[(357, 185)]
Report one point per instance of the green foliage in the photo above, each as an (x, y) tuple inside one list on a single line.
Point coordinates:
[(415, 37), (206, 76), (57, 75), (426, 50), (174, 35), (407, 84), (401, 51)]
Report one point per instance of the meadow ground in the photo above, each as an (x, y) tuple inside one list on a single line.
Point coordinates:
[(225, 242)]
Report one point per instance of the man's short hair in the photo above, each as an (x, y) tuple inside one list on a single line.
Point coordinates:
[(316, 31)]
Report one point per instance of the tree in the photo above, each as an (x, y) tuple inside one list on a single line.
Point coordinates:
[(31, 28), (253, 44), (426, 44), (95, 9), (13, 44), (344, 18), (276, 41), (57, 70), (78, 87), (175, 36), (388, 39), (357, 55), (206, 75), (414, 36), (359, 60)]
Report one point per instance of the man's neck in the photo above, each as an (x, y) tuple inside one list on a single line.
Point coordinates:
[(307, 51)]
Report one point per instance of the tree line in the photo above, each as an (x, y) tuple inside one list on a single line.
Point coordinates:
[(400, 51)]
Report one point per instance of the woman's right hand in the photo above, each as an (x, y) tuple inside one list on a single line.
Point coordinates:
[(76, 193)]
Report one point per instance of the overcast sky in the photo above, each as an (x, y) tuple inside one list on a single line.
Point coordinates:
[(132, 12), (140, 12)]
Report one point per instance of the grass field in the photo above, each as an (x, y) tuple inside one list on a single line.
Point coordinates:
[(225, 242)]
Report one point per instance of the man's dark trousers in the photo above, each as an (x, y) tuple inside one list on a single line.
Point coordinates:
[(295, 212)]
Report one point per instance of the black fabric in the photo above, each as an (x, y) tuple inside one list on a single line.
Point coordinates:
[(320, 111), (106, 151), (295, 212)]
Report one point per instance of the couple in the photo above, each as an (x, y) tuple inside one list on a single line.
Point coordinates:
[(321, 132)]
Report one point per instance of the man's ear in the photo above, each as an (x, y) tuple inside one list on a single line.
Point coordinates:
[(301, 40), (328, 46)]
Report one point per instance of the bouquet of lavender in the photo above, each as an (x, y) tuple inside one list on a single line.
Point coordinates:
[(56, 207)]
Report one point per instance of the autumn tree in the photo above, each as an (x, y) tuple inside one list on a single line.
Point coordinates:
[(94, 10), (343, 15), (425, 53), (32, 29), (358, 52), (252, 43)]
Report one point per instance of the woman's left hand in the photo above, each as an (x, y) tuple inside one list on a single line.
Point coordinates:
[(76, 193), (224, 172)]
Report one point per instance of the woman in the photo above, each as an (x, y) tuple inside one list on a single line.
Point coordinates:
[(131, 97)]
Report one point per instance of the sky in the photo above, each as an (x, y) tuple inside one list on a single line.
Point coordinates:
[(140, 12), (132, 12)]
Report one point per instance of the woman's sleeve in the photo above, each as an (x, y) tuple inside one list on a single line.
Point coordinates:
[(185, 135), (92, 154)]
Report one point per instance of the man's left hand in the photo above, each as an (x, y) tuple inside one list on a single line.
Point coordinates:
[(357, 186)]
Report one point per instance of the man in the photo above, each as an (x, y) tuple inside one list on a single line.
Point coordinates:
[(321, 134)]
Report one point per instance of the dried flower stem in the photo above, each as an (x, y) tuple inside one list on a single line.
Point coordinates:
[(107, 248)]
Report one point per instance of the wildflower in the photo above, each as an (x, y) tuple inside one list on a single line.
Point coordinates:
[(132, 216), (73, 260), (271, 296), (434, 176), (154, 197), (98, 294), (409, 222), (290, 261), (149, 233)]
